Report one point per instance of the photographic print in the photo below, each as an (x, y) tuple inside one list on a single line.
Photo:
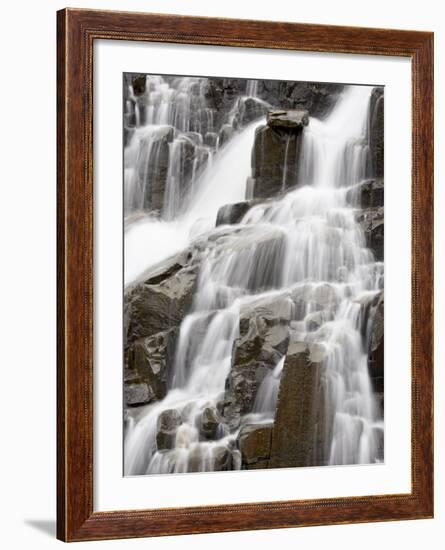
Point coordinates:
[(253, 292)]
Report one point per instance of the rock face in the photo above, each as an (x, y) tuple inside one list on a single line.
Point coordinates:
[(168, 423), (161, 301), (368, 194), (136, 394), (276, 153), (254, 442), (152, 166), (209, 422), (376, 131), (287, 120), (377, 345), (152, 357), (373, 224), (263, 340), (298, 429), (252, 109), (232, 213)]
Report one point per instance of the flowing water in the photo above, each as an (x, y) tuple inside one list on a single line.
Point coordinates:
[(304, 247)]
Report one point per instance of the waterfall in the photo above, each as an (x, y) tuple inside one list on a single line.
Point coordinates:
[(305, 247)]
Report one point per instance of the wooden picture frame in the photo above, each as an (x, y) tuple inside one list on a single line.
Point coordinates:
[(77, 31)]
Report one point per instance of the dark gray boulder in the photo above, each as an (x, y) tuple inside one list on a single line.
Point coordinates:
[(250, 109), (152, 165), (254, 442), (376, 131), (288, 120), (299, 426), (161, 300), (263, 340), (209, 422), (367, 194), (276, 154), (152, 360), (167, 424), (376, 349), (232, 213), (372, 223), (137, 394)]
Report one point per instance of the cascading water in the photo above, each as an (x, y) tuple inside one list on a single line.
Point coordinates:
[(305, 247)]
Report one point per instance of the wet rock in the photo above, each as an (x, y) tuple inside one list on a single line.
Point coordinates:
[(211, 139), (254, 442), (373, 225), (368, 194), (137, 394), (167, 425), (251, 109), (139, 83), (376, 348), (275, 160), (153, 360), (152, 165), (161, 301), (232, 213), (222, 459), (288, 120), (209, 422), (376, 131), (299, 422), (263, 340)]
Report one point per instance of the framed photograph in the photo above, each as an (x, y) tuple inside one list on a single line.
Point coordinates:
[(245, 264)]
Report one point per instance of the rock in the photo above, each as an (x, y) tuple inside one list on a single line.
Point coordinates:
[(153, 360), (254, 442), (263, 340), (209, 422), (373, 225), (222, 459), (139, 84), (211, 139), (376, 345), (225, 134), (152, 165), (251, 109), (288, 120), (275, 161), (368, 194), (137, 394), (232, 213), (161, 301), (167, 425), (376, 131), (298, 432)]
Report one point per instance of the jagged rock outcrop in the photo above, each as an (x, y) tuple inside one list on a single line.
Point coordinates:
[(209, 422), (167, 426), (299, 426), (251, 109), (263, 340), (254, 442), (372, 222), (136, 393), (376, 131), (152, 358), (232, 213), (152, 165), (376, 344), (276, 153), (368, 194), (161, 300)]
